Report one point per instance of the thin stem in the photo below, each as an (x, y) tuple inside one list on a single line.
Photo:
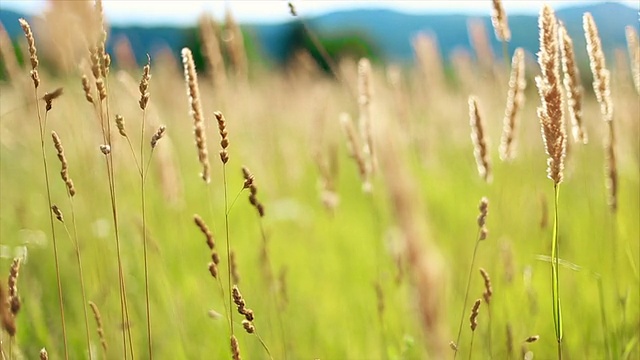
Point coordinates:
[(264, 345), (234, 200), (274, 296), (555, 281), (226, 228), (144, 233), (489, 336), (603, 316), (466, 294), (80, 272), (471, 345), (53, 231)]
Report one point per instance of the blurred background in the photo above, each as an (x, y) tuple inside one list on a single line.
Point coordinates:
[(380, 30)]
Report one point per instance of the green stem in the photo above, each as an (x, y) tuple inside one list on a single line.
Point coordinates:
[(53, 232), (80, 273), (555, 280), (603, 316), (226, 228), (144, 233), (466, 294)]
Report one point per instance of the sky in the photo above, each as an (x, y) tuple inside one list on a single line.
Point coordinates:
[(186, 12)]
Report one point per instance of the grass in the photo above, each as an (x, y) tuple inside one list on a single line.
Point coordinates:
[(276, 124)]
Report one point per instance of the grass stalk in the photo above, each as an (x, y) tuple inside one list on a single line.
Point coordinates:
[(41, 125), (226, 230), (80, 272), (466, 293), (555, 280), (603, 317)]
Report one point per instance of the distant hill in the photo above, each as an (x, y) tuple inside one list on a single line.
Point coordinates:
[(390, 31)]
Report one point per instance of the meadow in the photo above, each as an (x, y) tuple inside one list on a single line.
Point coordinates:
[(370, 191)]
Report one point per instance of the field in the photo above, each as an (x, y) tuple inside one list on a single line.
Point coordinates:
[(364, 251)]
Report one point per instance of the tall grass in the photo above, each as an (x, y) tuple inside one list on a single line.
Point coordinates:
[(306, 273)]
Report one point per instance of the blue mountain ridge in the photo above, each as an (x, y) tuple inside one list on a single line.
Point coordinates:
[(390, 31)]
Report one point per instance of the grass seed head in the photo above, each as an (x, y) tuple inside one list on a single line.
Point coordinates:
[(235, 348), (57, 212), (120, 126), (157, 136), (479, 139), (499, 21), (195, 109), (550, 112), (515, 102), (475, 310)]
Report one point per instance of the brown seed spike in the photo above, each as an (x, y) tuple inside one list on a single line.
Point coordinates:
[(248, 326), (64, 172), (532, 339), (515, 102), (8, 320), (475, 310), (98, 318), (488, 289), (482, 218), (205, 230), (480, 143), (193, 91), (224, 139), (602, 89), (550, 112), (43, 354), (120, 125), (14, 299), (499, 21), (33, 57), (235, 348), (144, 84), (573, 87), (57, 212), (87, 89), (634, 55), (157, 136)]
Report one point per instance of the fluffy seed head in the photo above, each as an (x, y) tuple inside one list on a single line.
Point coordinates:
[(98, 318), (43, 354), (12, 283), (479, 139), (499, 21), (157, 136), (601, 76), (573, 87), (550, 112), (144, 84), (33, 57), (235, 348), (634, 54), (87, 89), (195, 109), (482, 217), (488, 289), (120, 125), (515, 102), (64, 172)]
